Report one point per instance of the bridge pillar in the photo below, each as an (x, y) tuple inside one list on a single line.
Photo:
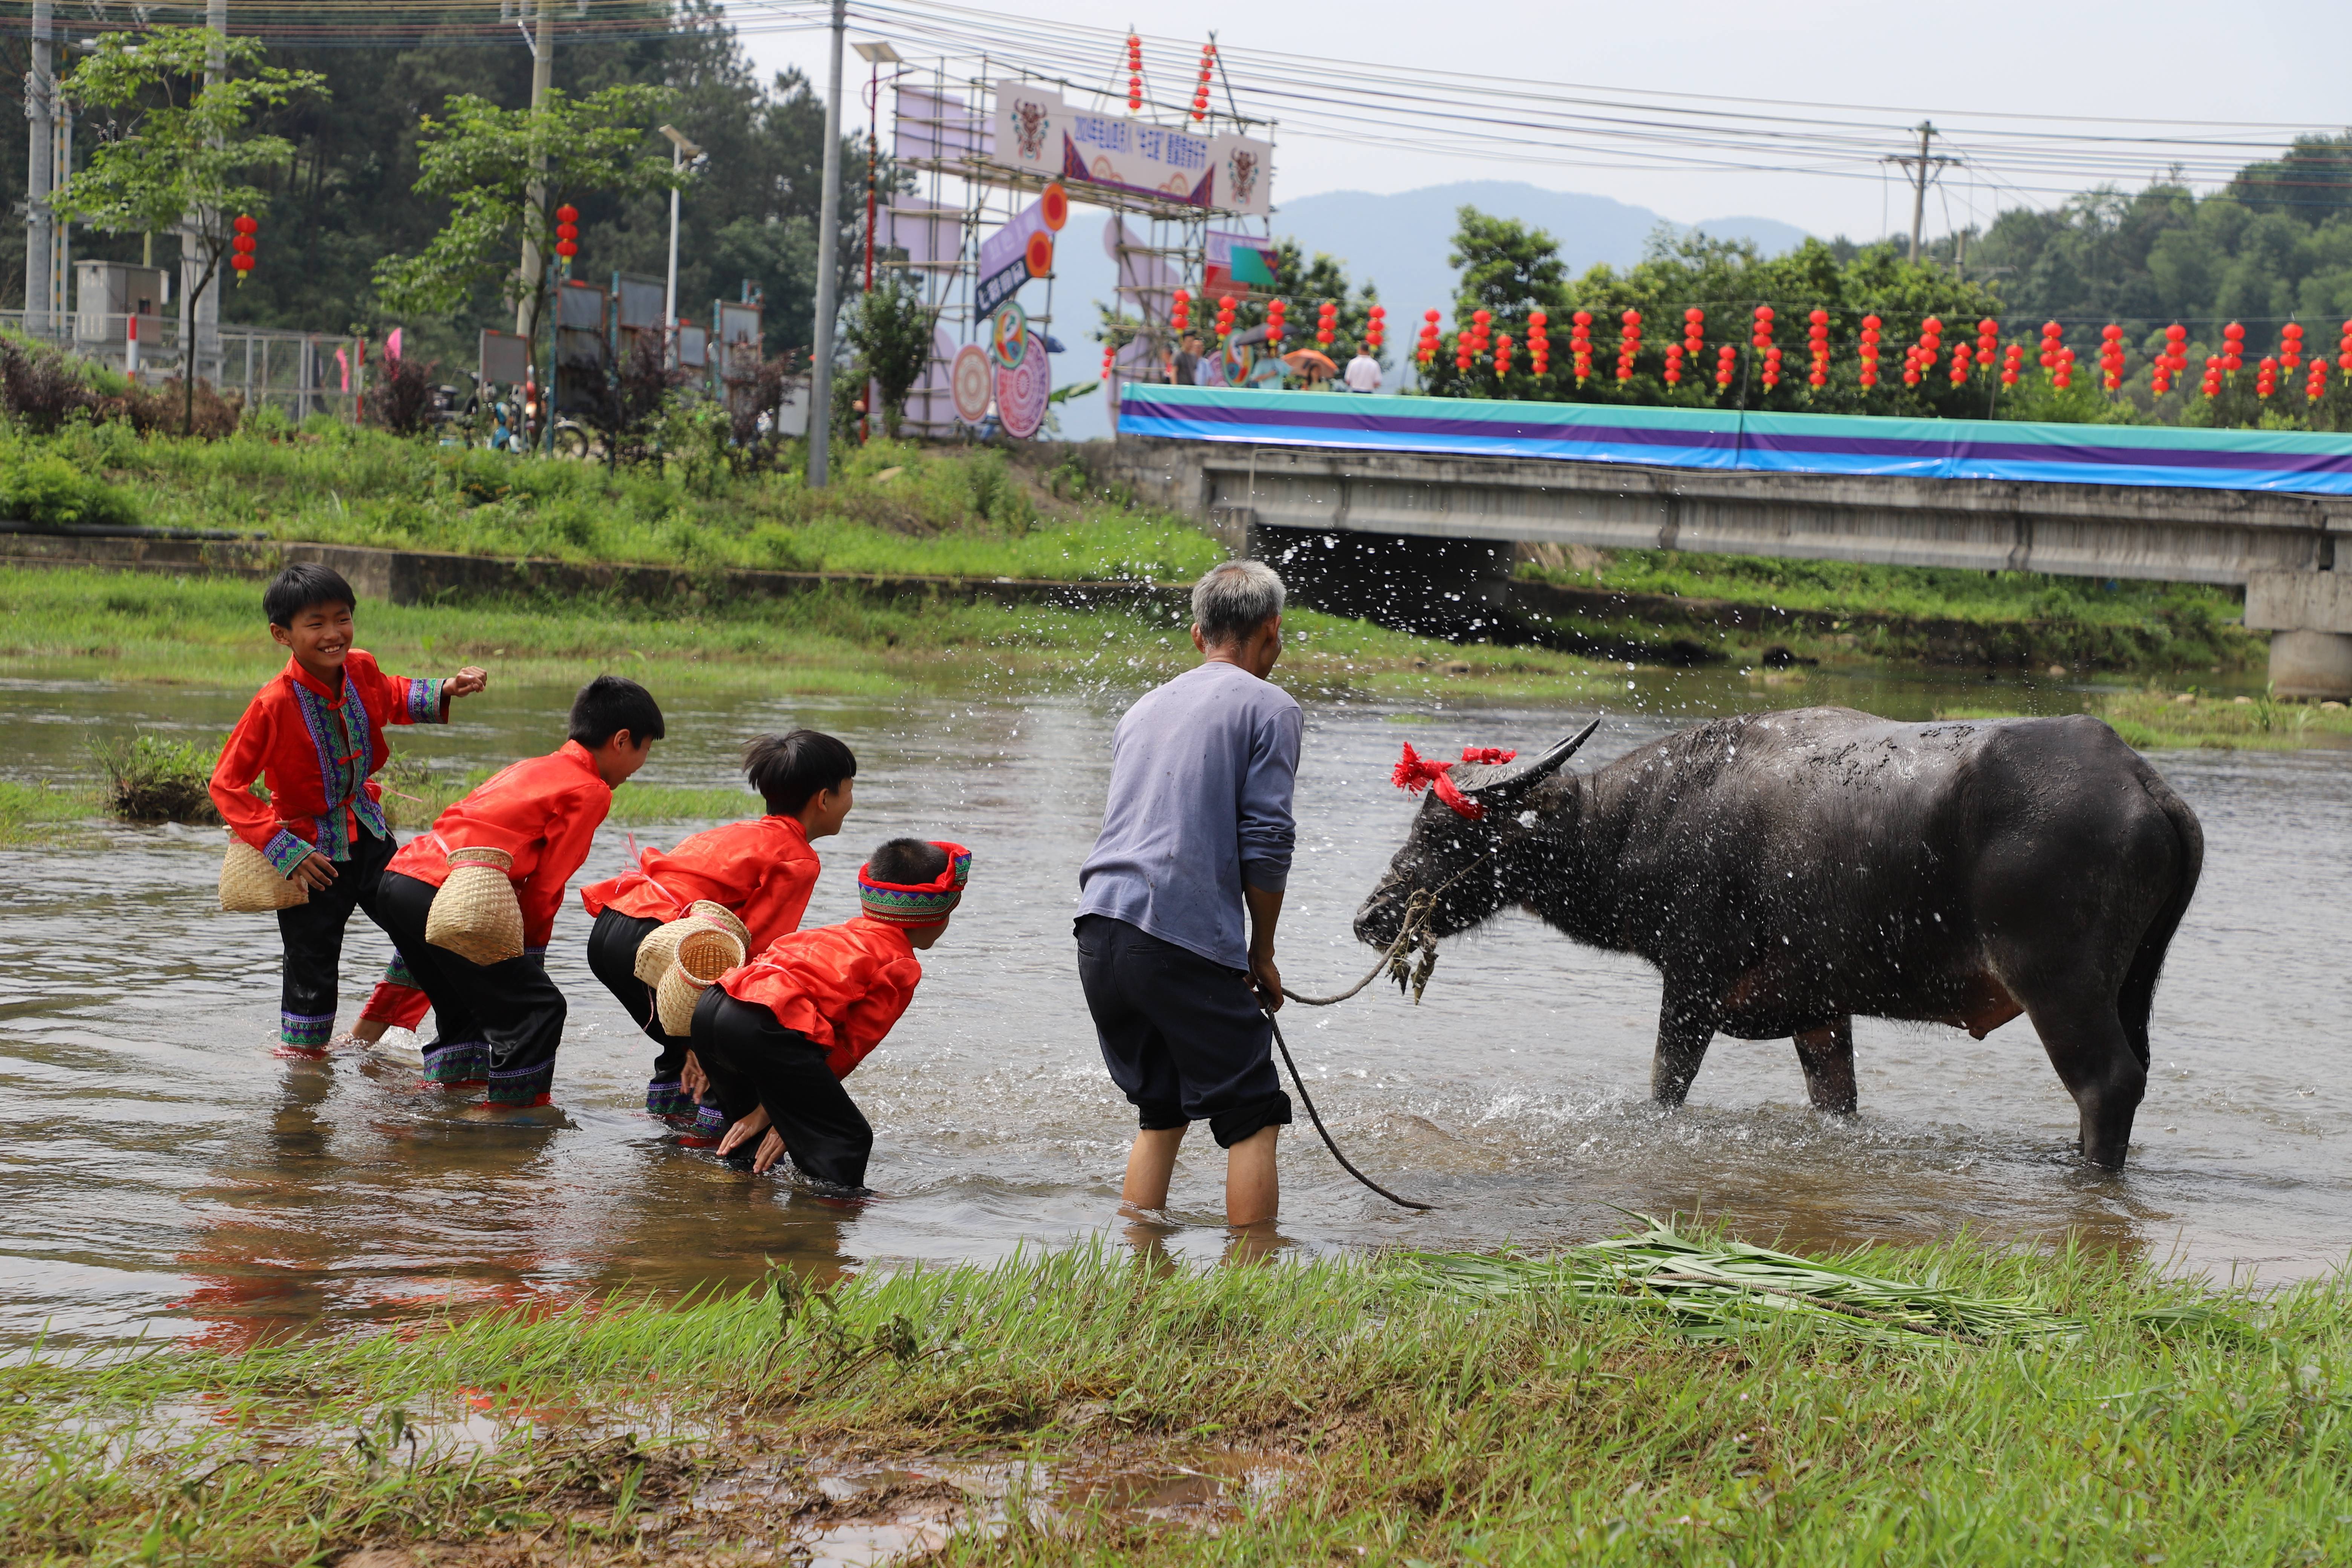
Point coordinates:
[(2309, 618)]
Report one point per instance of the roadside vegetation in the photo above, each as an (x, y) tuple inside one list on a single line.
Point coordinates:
[(1953, 1403)]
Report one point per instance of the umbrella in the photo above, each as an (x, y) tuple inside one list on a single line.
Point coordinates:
[(1299, 359)]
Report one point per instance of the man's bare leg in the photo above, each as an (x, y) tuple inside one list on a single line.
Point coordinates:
[(1149, 1165), (1252, 1187)]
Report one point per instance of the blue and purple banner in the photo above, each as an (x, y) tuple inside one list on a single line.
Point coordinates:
[(1732, 441)]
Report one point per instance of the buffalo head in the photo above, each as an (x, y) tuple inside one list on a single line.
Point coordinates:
[(1472, 866)]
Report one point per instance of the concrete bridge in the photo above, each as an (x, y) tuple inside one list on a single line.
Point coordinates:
[(1421, 538)]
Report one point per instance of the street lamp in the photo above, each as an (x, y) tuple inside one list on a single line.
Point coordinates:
[(682, 152)]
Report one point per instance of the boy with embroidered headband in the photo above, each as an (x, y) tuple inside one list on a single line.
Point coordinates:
[(314, 736), (761, 871), (498, 1024), (777, 1035)]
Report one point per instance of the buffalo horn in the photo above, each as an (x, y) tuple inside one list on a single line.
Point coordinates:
[(1511, 777)]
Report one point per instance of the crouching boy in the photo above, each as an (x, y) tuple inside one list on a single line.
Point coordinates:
[(761, 871), (498, 1024), (777, 1035)]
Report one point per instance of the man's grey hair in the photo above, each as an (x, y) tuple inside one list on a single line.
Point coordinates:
[(1236, 599)]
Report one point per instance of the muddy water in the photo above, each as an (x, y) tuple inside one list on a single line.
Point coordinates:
[(160, 1173)]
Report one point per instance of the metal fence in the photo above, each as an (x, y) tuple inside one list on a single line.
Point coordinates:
[(297, 371)]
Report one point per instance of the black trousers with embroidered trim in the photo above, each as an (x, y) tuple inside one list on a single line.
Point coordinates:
[(495, 1022), (312, 933), (753, 1060), (613, 946)]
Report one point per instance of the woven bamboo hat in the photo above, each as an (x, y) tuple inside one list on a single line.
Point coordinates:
[(703, 955), (476, 914), (250, 885)]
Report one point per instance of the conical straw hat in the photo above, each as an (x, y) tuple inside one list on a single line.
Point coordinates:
[(250, 885), (476, 914)]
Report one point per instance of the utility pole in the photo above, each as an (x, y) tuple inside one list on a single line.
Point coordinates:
[(828, 267), (542, 78), (200, 336), (1921, 168), (40, 90)]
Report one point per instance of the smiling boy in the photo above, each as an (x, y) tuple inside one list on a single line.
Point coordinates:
[(314, 737)]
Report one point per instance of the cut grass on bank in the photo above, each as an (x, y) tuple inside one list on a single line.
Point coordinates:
[(2070, 1407), (892, 508), (119, 626)]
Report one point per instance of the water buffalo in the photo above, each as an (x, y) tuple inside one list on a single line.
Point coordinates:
[(1787, 871)]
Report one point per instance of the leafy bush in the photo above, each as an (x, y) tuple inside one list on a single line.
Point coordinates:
[(40, 388), (402, 402), (44, 488), (164, 410), (153, 778)]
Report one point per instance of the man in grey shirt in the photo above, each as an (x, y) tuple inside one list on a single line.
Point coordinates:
[(1197, 828)]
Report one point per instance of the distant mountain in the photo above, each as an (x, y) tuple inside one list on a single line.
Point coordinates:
[(1399, 241), (1396, 241)]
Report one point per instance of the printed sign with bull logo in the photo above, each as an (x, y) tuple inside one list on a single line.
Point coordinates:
[(1037, 133)]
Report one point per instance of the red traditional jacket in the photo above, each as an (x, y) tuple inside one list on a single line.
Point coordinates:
[(843, 986), (544, 811), (315, 749), (763, 870)]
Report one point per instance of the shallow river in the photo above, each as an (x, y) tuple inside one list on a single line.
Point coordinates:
[(162, 1174)]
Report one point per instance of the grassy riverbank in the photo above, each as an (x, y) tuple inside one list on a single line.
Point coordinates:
[(1843, 611), (1394, 1410)]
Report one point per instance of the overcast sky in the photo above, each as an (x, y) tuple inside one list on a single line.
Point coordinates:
[(2269, 60)]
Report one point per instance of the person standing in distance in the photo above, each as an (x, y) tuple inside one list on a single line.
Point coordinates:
[(1363, 373), (1197, 830)]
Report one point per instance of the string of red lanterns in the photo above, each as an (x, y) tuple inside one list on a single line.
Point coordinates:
[(2315, 385), (1134, 74), (1579, 345), (1201, 93), (1424, 348), (1987, 342), (1760, 335), (2013, 363), (1503, 353), (2266, 376), (2233, 349), (1376, 329), (2111, 355), (1673, 364), (1538, 344), (1727, 357), (1274, 312), (567, 233), (241, 246), (2291, 346), (1224, 316), (2212, 375), (1817, 332), (2343, 357), (1180, 313), (1963, 356), (1327, 325), (1630, 345), (1694, 334), (1869, 351)]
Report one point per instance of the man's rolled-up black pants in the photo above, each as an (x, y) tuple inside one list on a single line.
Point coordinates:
[(753, 1060)]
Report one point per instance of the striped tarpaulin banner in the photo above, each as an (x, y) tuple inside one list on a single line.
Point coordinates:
[(1728, 440)]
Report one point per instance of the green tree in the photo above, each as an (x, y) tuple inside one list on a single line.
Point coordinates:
[(174, 153), (504, 172), (891, 331)]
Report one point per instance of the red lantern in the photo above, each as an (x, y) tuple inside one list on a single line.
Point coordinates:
[(2344, 358), (2013, 363), (242, 259), (1224, 315), (1931, 342), (1817, 334), (1579, 343), (1462, 355), (1180, 313), (1538, 344), (1673, 364), (2233, 348), (2212, 375), (1376, 328), (1274, 312), (1327, 323), (1134, 73), (1726, 357), (1630, 345), (1869, 351), (2315, 385), (1503, 353), (1208, 72), (1694, 331), (2290, 354), (1988, 341), (2062, 374), (2266, 377), (2111, 355), (1962, 357)]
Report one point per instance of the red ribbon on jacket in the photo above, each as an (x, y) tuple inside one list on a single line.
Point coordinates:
[(1413, 772)]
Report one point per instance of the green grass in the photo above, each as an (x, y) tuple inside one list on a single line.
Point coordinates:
[(1852, 612), (2067, 1407), (893, 509), (2161, 720), (128, 626)]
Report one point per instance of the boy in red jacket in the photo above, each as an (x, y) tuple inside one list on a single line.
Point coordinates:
[(497, 1024), (777, 1035), (763, 870), (314, 736)]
